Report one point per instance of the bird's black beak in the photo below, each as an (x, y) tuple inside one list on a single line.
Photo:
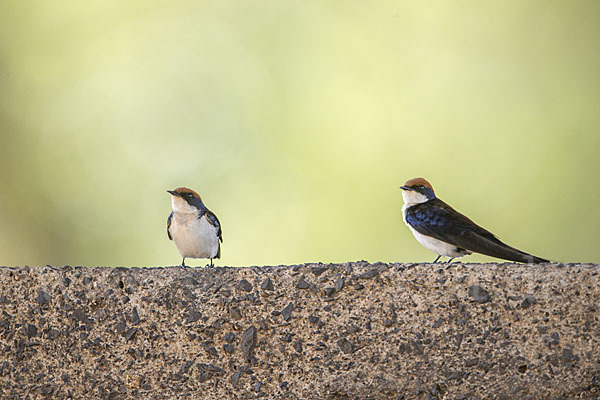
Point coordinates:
[(405, 188), (174, 193)]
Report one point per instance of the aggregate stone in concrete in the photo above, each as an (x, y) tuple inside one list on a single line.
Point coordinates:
[(315, 331)]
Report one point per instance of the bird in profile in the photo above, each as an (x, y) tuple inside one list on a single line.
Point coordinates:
[(195, 229), (446, 232)]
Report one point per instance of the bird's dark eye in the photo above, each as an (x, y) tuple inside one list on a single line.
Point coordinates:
[(189, 195)]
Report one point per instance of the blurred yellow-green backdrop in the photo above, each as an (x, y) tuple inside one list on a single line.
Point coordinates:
[(296, 122)]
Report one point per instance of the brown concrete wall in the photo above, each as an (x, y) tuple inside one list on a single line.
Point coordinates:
[(343, 331)]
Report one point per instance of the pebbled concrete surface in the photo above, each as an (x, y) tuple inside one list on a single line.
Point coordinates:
[(315, 331)]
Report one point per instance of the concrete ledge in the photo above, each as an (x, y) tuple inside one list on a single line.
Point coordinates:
[(339, 331)]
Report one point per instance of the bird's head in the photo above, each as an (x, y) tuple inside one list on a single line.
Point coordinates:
[(185, 200), (417, 190)]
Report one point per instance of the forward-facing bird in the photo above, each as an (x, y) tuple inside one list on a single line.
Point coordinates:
[(195, 229), (446, 232)]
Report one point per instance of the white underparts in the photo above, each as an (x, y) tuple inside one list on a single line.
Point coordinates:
[(194, 237), (437, 246)]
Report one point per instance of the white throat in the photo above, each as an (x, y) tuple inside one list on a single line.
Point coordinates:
[(181, 206), (412, 197)]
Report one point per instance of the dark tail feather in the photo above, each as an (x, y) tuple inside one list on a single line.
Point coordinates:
[(501, 250), (531, 259)]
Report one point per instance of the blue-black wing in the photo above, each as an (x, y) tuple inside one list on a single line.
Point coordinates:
[(437, 219), (169, 225), (214, 221)]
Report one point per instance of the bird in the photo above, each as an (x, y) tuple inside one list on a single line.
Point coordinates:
[(195, 229), (446, 232)]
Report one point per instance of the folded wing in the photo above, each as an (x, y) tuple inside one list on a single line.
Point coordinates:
[(437, 219), (169, 225), (214, 221)]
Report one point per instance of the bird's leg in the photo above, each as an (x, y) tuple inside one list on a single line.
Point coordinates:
[(211, 262), (436, 260), (450, 260), (183, 262)]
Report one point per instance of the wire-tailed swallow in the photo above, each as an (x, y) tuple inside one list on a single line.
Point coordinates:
[(195, 229), (446, 232)]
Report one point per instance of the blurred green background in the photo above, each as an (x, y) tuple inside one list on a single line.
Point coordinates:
[(296, 122)]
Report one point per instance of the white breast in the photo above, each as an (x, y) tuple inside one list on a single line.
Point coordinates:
[(194, 237), (433, 244)]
